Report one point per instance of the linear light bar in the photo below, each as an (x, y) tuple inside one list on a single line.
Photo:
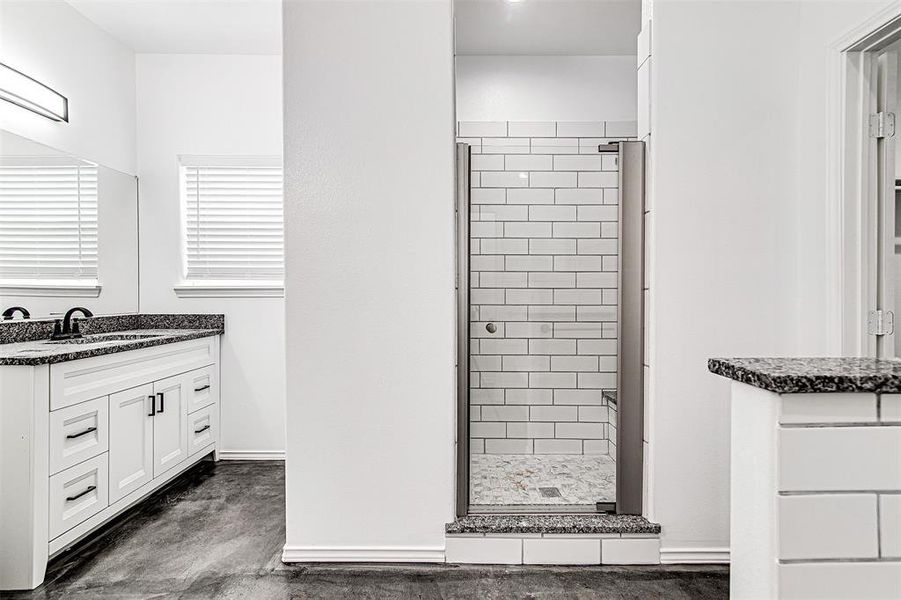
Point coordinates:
[(22, 90)]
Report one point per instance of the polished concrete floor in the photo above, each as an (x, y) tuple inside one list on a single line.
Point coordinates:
[(217, 533)]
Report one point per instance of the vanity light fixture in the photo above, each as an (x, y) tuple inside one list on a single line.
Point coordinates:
[(22, 90)]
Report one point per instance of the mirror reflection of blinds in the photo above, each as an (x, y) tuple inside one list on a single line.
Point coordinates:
[(234, 223), (48, 222)]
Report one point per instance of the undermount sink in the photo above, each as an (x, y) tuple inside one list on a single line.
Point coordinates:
[(99, 338)]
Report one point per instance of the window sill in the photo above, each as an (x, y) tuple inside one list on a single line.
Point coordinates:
[(230, 290), (51, 289)]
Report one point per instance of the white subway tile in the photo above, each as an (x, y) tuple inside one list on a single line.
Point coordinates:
[(554, 414), (530, 196), (504, 380), (483, 550), (526, 363), (611, 196), (590, 179), (527, 230), (581, 129), (502, 280), (501, 145), (487, 262), (505, 179), (604, 212), (607, 364), (530, 296), (530, 430), (579, 397), (477, 330), (596, 279), (611, 298), (593, 414), (550, 551), (551, 213), (831, 581), (503, 313), (840, 458), (596, 313), (529, 162), (555, 146), (609, 230), (573, 363), (477, 446), (558, 446), (611, 263), (488, 196), (503, 246), (552, 346), (626, 551), (505, 413), (579, 162), (573, 230), (828, 408), (529, 330), (513, 446), (828, 526), (577, 263), (526, 396), (532, 129), (485, 363), (486, 229), (609, 162), (597, 381), (552, 380), (530, 263), (552, 280), (579, 430), (487, 162), (487, 430), (578, 296), (552, 313), (601, 347), (621, 129), (596, 447), (486, 396), (552, 179), (500, 212), (486, 296), (598, 246), (579, 196), (578, 330), (890, 408), (551, 246), (890, 525), (503, 346), (482, 129)]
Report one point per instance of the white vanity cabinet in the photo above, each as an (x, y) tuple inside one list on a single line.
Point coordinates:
[(81, 441)]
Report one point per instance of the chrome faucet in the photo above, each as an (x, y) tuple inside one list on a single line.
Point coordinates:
[(68, 328), (9, 312)]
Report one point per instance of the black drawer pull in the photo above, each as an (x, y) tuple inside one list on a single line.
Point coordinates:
[(202, 429), (72, 436), (201, 388), (152, 406), (162, 402), (90, 489)]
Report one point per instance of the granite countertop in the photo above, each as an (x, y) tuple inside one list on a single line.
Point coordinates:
[(553, 524), (810, 375), (28, 342)]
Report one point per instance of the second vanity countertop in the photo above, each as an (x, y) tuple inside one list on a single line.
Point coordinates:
[(28, 342), (812, 375)]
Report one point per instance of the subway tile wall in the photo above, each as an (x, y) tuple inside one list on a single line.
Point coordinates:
[(544, 248)]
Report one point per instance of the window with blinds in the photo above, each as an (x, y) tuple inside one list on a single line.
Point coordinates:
[(48, 221), (233, 223)]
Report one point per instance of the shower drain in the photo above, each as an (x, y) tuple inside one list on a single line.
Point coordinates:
[(550, 492)]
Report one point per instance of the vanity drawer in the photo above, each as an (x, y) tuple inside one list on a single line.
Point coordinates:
[(202, 429), (78, 433), (77, 494), (202, 388)]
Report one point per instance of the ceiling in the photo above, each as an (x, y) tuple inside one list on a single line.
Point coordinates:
[(190, 26), (547, 27)]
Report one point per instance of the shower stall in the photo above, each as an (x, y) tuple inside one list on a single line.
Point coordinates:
[(550, 313)]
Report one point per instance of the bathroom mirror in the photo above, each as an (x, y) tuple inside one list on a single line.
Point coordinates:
[(68, 232)]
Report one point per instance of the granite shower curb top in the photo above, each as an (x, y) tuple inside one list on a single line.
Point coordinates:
[(552, 524), (812, 375)]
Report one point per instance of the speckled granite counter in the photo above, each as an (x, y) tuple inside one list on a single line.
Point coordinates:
[(552, 524), (811, 375), (28, 342)]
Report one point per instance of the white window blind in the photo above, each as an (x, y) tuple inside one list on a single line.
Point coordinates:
[(48, 221), (233, 221)]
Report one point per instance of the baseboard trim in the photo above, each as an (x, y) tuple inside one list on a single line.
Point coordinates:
[(392, 554), (251, 455), (687, 556)]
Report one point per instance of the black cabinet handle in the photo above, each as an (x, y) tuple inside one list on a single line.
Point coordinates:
[(90, 489), (202, 429), (81, 433), (201, 388), (162, 398), (152, 406)]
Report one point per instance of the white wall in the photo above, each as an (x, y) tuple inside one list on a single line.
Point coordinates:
[(213, 105), (369, 126), (53, 43), (738, 169), (546, 88)]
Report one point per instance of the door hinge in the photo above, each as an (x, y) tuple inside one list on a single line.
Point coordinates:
[(881, 322), (882, 125)]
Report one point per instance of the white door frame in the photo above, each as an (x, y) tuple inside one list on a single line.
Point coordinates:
[(853, 189)]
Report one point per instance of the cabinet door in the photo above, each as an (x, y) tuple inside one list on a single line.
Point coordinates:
[(130, 440), (170, 429)]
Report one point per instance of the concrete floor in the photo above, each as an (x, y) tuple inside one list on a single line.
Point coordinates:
[(218, 532)]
